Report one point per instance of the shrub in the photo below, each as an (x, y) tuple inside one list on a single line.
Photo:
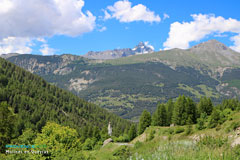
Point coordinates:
[(236, 151), (212, 142), (169, 137), (138, 144), (189, 130), (170, 131), (179, 130), (89, 144), (123, 138), (233, 126), (201, 121), (151, 135), (218, 127), (122, 152)]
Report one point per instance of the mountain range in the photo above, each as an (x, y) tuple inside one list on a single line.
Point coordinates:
[(126, 81), (141, 48)]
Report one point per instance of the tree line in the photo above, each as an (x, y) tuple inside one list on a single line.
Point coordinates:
[(184, 111)]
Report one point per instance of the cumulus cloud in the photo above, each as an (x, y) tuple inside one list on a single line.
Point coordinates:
[(125, 12), (148, 45), (27, 18), (15, 45), (45, 50), (236, 40), (41, 18), (181, 34)]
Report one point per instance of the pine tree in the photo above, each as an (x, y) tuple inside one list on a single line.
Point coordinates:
[(96, 133), (160, 116), (214, 119), (179, 116), (132, 132), (205, 105), (7, 119), (145, 121), (169, 108), (190, 111), (201, 121), (155, 118)]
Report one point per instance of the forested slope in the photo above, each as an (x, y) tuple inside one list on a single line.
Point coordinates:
[(33, 102)]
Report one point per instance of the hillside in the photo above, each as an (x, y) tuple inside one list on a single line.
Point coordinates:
[(179, 142), (34, 102), (128, 85)]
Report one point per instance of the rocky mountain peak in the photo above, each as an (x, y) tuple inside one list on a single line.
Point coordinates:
[(211, 45), (142, 48), (5, 56)]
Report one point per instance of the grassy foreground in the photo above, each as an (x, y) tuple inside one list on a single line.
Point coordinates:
[(178, 143)]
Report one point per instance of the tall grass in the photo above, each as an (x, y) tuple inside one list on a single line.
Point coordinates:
[(209, 148)]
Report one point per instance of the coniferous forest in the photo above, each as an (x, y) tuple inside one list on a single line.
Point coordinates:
[(29, 104)]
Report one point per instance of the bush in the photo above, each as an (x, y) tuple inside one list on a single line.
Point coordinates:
[(236, 151), (218, 128), (233, 126), (179, 130), (151, 135), (123, 138), (189, 130), (169, 137), (89, 144), (138, 145), (201, 121), (122, 152), (170, 131), (212, 142)]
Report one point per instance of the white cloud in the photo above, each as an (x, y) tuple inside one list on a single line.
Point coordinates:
[(5, 5), (102, 29), (236, 40), (41, 40), (181, 34), (165, 16), (15, 45), (27, 18), (125, 12), (43, 18), (45, 50), (148, 45), (106, 15)]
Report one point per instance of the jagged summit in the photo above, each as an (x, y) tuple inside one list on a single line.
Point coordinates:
[(211, 45), (141, 48)]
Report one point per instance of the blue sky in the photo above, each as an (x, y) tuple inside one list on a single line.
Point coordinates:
[(78, 26)]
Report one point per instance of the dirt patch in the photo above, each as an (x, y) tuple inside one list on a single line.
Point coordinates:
[(236, 142), (141, 138)]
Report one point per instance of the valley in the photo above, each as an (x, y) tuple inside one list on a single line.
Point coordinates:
[(127, 85)]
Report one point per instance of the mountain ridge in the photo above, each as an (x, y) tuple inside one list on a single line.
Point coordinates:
[(141, 48), (127, 85)]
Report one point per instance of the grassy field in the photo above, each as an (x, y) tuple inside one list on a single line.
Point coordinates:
[(234, 83), (204, 91)]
